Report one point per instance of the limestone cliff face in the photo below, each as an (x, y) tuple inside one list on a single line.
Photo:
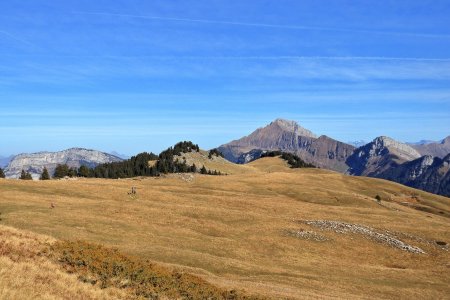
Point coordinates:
[(440, 149), (379, 155), (288, 136), (74, 157)]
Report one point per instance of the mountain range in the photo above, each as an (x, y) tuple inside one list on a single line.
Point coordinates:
[(75, 157), (422, 165)]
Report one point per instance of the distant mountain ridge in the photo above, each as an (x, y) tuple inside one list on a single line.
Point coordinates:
[(74, 157), (438, 149), (423, 165), (357, 143)]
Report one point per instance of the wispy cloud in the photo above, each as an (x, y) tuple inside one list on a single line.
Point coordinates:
[(262, 25)]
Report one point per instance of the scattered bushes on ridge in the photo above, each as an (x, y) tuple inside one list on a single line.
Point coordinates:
[(293, 160), (214, 152)]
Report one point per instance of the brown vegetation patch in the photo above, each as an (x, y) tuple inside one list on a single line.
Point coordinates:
[(110, 268)]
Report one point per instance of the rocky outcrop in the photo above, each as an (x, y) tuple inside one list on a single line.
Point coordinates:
[(75, 157), (288, 136), (381, 154), (440, 149)]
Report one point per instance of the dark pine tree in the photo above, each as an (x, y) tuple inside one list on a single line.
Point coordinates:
[(45, 175), (2, 174), (25, 175), (83, 171), (73, 172), (203, 170), (61, 171)]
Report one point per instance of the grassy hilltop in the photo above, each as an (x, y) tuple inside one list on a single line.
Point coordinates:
[(255, 231)]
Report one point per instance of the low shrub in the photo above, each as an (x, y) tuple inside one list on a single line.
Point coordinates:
[(110, 268)]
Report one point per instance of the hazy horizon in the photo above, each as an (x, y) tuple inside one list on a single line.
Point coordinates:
[(133, 76)]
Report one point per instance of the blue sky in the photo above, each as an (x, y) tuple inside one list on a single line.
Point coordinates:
[(135, 76)]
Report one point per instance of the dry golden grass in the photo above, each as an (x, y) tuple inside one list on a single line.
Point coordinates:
[(27, 274), (231, 230)]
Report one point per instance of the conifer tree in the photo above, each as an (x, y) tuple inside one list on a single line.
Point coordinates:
[(203, 170), (25, 175), (2, 174), (72, 172), (61, 171), (83, 171), (45, 175)]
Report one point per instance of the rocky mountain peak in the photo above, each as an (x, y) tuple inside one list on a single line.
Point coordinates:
[(400, 149)]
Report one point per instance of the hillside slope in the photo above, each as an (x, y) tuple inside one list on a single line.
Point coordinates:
[(285, 233), (27, 274)]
